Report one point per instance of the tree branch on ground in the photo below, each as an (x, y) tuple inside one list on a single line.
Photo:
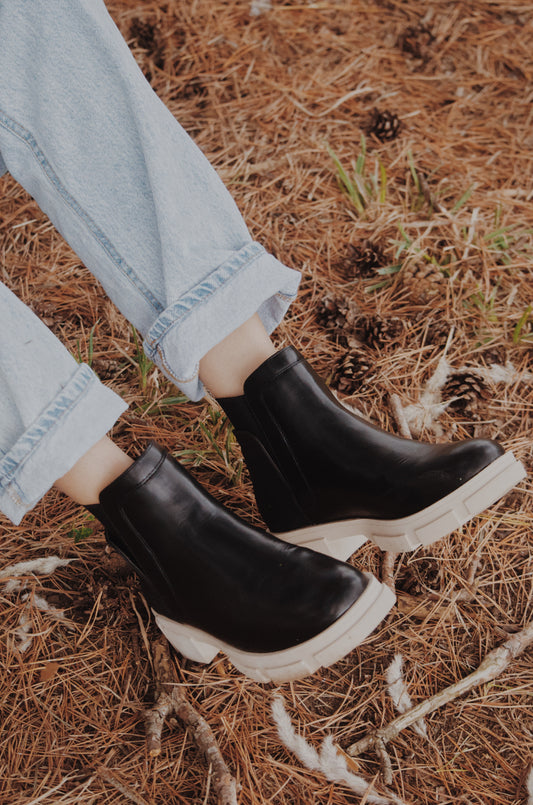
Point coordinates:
[(492, 666), (171, 700)]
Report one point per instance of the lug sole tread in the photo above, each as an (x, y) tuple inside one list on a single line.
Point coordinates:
[(331, 645), (341, 539)]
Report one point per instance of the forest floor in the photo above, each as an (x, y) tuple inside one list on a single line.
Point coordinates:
[(383, 149)]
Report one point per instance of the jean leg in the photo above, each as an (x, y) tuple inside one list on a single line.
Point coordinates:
[(84, 133), (52, 409)]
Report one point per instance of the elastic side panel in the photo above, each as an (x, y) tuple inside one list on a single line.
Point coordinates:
[(276, 502)]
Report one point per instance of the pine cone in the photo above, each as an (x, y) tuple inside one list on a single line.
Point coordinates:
[(423, 280), (332, 313), (438, 332), (377, 331), (336, 315), (471, 391), (105, 368), (384, 125), (495, 354), (417, 41), (353, 372), (361, 260), (420, 576)]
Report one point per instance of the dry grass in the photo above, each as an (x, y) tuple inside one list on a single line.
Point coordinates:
[(264, 96)]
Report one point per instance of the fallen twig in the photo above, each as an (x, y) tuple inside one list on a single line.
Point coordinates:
[(429, 197), (492, 666), (386, 763), (467, 593), (170, 700), (53, 790), (387, 569), (389, 557)]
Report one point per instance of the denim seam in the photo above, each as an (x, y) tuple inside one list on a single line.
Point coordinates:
[(154, 345), (171, 374), (16, 496), (27, 138), (9, 481), (241, 260), (288, 297)]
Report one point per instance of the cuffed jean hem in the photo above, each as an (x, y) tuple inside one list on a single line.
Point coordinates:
[(79, 416), (252, 281)]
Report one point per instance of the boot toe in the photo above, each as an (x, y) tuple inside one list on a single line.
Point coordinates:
[(470, 457)]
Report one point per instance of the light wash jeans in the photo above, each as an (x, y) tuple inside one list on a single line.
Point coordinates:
[(83, 132)]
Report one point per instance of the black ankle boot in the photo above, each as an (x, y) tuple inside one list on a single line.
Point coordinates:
[(278, 611), (326, 478)]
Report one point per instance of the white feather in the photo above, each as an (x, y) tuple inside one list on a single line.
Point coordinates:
[(259, 7), (424, 414), (328, 760), (44, 565), (22, 632), (41, 603), (397, 688), (529, 786), (399, 695), (296, 743), (498, 374)]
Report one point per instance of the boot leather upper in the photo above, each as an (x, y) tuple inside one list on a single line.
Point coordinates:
[(332, 464), (202, 566)]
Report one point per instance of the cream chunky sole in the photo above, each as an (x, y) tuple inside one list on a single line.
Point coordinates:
[(341, 539), (324, 649)]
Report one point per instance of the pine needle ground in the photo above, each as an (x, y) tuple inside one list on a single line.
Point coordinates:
[(427, 110)]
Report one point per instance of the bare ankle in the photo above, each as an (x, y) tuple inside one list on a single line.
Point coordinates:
[(95, 470), (226, 366)]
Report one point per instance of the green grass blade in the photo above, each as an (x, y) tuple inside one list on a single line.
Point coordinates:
[(361, 159), (464, 198), (383, 182), (91, 344), (520, 326), (414, 173), (389, 269), (345, 180)]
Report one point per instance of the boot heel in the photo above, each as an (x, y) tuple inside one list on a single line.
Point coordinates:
[(185, 640)]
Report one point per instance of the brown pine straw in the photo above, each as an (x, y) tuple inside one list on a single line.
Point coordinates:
[(264, 96)]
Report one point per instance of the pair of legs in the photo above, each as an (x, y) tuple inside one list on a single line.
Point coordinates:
[(83, 132), (223, 371)]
